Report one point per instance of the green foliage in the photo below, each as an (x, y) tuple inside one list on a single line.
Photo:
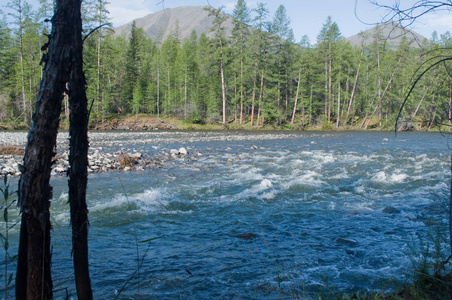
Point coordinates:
[(255, 71)]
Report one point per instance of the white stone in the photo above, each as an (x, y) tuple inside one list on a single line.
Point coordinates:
[(183, 151)]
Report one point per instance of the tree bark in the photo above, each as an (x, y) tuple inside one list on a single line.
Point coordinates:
[(78, 161), (223, 85), (63, 65), (296, 98), (254, 94), (33, 278), (352, 96)]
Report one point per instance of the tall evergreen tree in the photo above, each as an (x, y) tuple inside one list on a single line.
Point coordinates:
[(327, 41), (133, 64), (258, 48), (240, 34), (283, 34), (219, 30), (8, 109)]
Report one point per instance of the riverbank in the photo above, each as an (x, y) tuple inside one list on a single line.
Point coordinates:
[(100, 159), (146, 122)]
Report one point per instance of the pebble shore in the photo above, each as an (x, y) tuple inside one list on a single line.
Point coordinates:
[(100, 160)]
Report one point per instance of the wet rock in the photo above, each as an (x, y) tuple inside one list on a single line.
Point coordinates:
[(136, 156), (390, 210), (183, 151), (352, 213), (246, 236), (347, 242), (60, 169)]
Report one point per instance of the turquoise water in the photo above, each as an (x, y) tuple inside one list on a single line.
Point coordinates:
[(258, 215)]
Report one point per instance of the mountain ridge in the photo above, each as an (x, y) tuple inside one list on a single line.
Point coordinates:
[(391, 32), (160, 25), (185, 19)]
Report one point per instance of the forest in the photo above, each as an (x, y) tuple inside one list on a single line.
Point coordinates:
[(257, 76)]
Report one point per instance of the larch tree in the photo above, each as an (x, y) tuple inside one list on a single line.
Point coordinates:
[(280, 28), (18, 17), (240, 34), (219, 30), (327, 42), (258, 48)]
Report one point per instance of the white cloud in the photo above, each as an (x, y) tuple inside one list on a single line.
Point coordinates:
[(122, 12), (439, 21)]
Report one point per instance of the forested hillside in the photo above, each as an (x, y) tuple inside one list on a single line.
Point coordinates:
[(256, 76)]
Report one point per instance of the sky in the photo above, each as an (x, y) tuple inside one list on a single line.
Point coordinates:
[(307, 16)]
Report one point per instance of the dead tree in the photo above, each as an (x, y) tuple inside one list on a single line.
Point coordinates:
[(78, 161), (63, 64)]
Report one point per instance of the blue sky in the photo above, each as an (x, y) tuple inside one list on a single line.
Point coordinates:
[(307, 16)]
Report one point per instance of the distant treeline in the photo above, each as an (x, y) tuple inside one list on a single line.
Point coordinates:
[(257, 75)]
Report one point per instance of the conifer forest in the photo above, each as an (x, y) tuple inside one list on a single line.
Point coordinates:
[(258, 74)]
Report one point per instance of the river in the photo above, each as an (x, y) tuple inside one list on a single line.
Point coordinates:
[(258, 214)]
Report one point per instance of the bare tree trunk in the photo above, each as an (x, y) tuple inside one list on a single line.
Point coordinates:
[(433, 119), (296, 98), (158, 89), (450, 104), (330, 91), (223, 85), (63, 64), (384, 92), (420, 103), (185, 95), (33, 278), (352, 96), (78, 160), (310, 106), (241, 82), (338, 120), (254, 94), (261, 98)]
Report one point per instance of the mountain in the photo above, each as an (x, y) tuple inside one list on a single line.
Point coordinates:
[(160, 25), (390, 31)]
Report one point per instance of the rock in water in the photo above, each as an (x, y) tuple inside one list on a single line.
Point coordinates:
[(348, 242), (246, 236), (183, 151), (390, 210)]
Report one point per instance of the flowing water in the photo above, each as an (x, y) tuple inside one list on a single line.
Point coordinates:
[(258, 215)]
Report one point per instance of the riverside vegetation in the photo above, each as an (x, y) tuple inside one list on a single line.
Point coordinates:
[(257, 76)]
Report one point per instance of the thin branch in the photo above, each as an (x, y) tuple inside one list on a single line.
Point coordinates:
[(414, 85), (95, 29)]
